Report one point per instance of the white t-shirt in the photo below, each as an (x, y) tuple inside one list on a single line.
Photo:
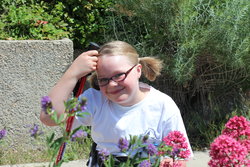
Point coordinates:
[(156, 115)]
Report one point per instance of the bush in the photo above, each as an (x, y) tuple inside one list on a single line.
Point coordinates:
[(82, 21), (30, 22)]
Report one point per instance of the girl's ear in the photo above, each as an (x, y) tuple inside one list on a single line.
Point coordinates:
[(139, 70)]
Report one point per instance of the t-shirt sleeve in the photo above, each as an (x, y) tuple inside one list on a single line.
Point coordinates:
[(174, 121), (86, 120)]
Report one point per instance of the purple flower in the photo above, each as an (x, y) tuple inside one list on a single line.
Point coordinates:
[(35, 131), (103, 153), (175, 152), (79, 134), (76, 107), (152, 150), (83, 108), (46, 103), (145, 163), (123, 144), (3, 133)]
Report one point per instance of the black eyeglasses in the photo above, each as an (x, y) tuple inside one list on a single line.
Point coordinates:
[(117, 78)]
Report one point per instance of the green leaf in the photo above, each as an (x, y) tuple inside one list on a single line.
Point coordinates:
[(75, 130), (57, 143), (50, 139), (61, 118), (81, 114)]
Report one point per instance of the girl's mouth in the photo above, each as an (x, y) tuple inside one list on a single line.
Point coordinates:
[(116, 91)]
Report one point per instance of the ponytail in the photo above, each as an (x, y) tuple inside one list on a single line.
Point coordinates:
[(151, 67), (93, 81)]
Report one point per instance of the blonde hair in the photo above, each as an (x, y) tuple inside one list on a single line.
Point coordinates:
[(151, 67)]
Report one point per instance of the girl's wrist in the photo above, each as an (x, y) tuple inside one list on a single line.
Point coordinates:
[(74, 74)]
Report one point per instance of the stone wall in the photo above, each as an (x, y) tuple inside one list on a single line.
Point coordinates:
[(28, 69)]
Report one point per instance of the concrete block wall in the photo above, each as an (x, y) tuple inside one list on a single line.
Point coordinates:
[(28, 70)]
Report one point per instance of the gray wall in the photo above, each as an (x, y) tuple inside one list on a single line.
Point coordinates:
[(28, 70)]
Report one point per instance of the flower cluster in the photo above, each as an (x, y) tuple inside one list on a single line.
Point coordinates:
[(34, 131), (178, 142), (79, 134), (231, 148), (145, 163), (123, 144), (143, 153), (237, 127), (152, 149), (3, 133), (80, 106), (46, 104), (40, 22), (103, 154), (73, 107)]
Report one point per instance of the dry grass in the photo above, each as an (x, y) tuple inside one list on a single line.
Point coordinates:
[(20, 155)]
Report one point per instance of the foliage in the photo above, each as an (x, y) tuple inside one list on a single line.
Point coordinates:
[(85, 19), (205, 46), (139, 151), (41, 153), (30, 22), (79, 20), (232, 147), (73, 107)]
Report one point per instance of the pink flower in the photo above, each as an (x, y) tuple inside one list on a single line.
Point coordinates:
[(171, 163), (226, 151), (177, 140), (41, 22), (237, 127), (246, 143)]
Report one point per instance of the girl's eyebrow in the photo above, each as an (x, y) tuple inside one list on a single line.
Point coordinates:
[(113, 73)]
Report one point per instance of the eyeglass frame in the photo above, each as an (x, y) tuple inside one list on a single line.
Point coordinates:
[(112, 78)]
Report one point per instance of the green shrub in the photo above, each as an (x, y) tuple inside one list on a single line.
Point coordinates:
[(30, 22), (80, 20)]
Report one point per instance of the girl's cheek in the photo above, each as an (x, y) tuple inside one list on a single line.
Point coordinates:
[(102, 89)]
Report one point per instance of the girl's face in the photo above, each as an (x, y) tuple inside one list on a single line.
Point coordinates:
[(124, 92)]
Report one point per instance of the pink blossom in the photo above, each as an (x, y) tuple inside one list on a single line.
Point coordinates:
[(237, 127), (177, 140), (246, 143), (171, 163), (184, 154), (226, 151)]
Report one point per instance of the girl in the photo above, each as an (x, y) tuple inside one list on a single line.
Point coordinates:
[(119, 105)]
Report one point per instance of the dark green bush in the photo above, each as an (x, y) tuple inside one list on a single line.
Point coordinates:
[(80, 20), (85, 18), (20, 21)]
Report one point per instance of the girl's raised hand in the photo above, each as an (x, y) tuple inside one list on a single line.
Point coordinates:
[(84, 64)]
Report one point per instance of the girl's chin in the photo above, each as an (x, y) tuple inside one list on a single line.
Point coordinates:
[(120, 100)]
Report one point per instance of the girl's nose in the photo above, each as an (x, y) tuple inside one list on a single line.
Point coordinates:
[(112, 83)]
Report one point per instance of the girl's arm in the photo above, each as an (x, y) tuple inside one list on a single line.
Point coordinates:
[(82, 65)]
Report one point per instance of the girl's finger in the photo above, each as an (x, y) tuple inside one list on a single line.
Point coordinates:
[(92, 53), (94, 58)]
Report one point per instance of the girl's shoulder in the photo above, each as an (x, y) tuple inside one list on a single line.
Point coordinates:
[(160, 98), (93, 95), (159, 94)]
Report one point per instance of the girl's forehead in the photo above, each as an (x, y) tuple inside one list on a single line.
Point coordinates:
[(108, 65), (113, 60)]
